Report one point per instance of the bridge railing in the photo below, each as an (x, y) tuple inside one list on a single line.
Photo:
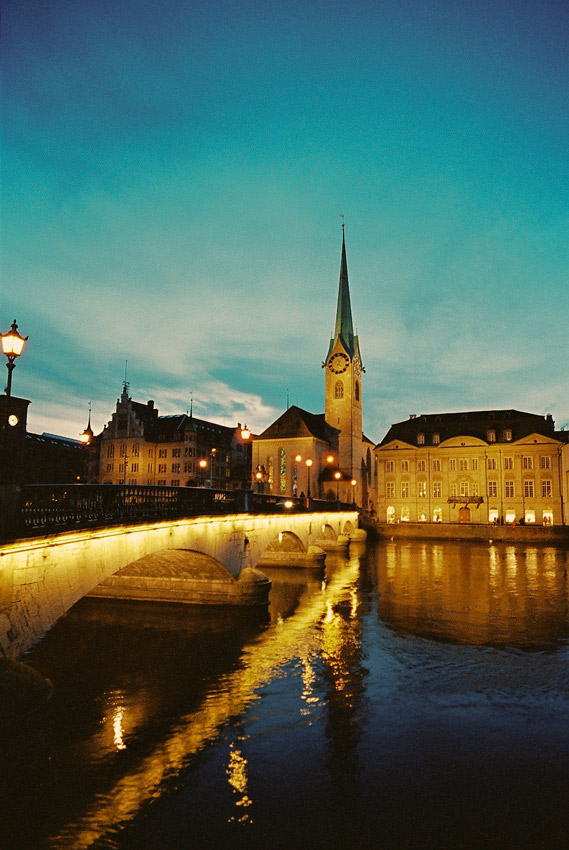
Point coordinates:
[(48, 509)]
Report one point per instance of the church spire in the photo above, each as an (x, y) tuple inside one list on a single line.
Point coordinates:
[(344, 329)]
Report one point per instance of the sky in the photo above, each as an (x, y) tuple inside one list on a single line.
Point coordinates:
[(174, 176)]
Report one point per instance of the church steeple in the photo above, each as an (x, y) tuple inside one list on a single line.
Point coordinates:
[(344, 329)]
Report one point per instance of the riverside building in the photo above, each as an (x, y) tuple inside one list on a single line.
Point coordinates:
[(499, 466)]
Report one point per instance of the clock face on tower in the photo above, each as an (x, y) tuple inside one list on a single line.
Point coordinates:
[(338, 363)]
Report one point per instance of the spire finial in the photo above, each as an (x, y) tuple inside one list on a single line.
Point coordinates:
[(343, 217)]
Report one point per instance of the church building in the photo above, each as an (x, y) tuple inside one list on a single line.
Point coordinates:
[(325, 455)]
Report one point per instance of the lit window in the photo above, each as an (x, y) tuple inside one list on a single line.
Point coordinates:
[(176, 452), (420, 439), (510, 516), (547, 518), (508, 463), (507, 435), (527, 462), (437, 489), (438, 515), (546, 489), (436, 466), (493, 515), (545, 462), (162, 452), (421, 489), (493, 488), (175, 467), (404, 489), (161, 467), (404, 514), (491, 436), (528, 488), (509, 489), (530, 516), (390, 514), (436, 439)]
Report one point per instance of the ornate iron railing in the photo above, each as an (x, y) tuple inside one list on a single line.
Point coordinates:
[(47, 509)]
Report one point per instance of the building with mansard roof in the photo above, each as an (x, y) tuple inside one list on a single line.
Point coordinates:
[(323, 455), (138, 446), (489, 466)]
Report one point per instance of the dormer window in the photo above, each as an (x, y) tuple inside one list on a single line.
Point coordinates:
[(491, 436), (420, 439), (507, 435), (436, 439)]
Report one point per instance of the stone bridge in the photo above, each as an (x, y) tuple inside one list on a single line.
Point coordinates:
[(207, 559)]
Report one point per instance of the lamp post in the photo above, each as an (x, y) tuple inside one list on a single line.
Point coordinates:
[(297, 460), (213, 451), (202, 465), (308, 465), (353, 482), (337, 476), (12, 346), (245, 436)]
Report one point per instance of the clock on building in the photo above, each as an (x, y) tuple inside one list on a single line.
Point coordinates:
[(338, 363), (12, 420)]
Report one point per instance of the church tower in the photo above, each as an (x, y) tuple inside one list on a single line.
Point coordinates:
[(344, 370)]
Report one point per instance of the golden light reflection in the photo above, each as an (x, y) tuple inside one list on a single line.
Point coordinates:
[(118, 730), (261, 661), (237, 778)]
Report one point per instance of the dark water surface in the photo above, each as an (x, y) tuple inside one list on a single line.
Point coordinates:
[(413, 695)]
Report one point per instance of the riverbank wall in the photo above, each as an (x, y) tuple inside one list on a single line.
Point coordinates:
[(545, 535)]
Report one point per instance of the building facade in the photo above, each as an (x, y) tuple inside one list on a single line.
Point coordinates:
[(502, 466), (138, 446), (324, 455)]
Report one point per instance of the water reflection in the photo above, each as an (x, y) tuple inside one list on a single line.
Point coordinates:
[(474, 593)]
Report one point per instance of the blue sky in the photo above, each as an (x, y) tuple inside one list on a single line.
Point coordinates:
[(173, 176)]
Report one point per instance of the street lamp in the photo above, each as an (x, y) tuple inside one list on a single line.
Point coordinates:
[(245, 436), (337, 476), (12, 346), (202, 465), (353, 482), (308, 465), (213, 451)]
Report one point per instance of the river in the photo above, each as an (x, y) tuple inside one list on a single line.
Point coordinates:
[(412, 695)]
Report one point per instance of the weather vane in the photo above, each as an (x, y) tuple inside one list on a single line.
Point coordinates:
[(343, 217)]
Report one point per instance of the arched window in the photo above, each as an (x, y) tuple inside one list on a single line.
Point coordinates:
[(339, 390), (357, 390)]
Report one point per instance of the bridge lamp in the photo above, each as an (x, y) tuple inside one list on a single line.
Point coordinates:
[(308, 465), (288, 503), (12, 346), (353, 482), (202, 465), (245, 436)]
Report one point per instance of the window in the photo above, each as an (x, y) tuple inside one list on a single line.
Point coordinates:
[(464, 488), (508, 463), (474, 464), (390, 466), (438, 515), (161, 467), (452, 464), (176, 452), (421, 489), (150, 467), (110, 450), (475, 490), (175, 467), (421, 466), (404, 514), (357, 390), (420, 439), (436, 439), (507, 435), (110, 467), (509, 489), (150, 452), (527, 462), (390, 490), (493, 488), (188, 466), (404, 489), (491, 436), (463, 464), (122, 450), (545, 462), (492, 463), (134, 467), (390, 514), (175, 482), (437, 489), (436, 466), (121, 467), (404, 466), (528, 488), (161, 482), (546, 489), (453, 490), (162, 452), (338, 390)]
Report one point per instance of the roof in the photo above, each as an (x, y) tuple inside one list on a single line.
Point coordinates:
[(344, 328), (166, 428), (296, 422), (54, 440), (474, 423)]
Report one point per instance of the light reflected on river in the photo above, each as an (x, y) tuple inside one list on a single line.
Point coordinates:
[(477, 594)]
